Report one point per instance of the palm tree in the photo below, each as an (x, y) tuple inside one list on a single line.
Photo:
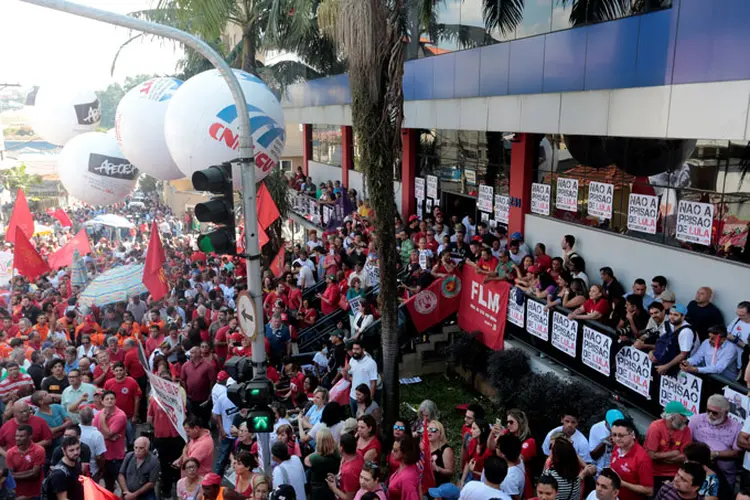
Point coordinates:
[(371, 34)]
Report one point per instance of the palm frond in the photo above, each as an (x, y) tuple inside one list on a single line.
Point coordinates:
[(117, 54), (595, 11), (504, 15), (466, 37)]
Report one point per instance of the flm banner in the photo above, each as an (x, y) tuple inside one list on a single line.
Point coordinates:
[(484, 306)]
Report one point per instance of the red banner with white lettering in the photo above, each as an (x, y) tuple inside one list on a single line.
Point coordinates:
[(435, 303), (484, 306)]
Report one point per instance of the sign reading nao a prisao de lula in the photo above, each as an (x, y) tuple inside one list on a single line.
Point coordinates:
[(643, 213), (694, 221), (484, 198), (419, 188), (601, 196), (502, 208), (633, 370), (537, 320), (432, 187), (564, 334), (595, 350), (685, 388), (516, 312), (540, 198), (566, 195)]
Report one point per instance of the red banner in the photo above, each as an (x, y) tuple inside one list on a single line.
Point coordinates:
[(484, 306), (64, 256), (435, 303)]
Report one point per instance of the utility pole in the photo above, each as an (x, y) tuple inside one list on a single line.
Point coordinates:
[(246, 158)]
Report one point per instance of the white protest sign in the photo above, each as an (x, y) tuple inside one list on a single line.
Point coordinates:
[(419, 188), (6, 268), (601, 196), (739, 405), (428, 205), (643, 212), (502, 208), (537, 320), (484, 198), (694, 220), (566, 196), (373, 274), (327, 212), (564, 333), (685, 388), (354, 304), (633, 370), (516, 312), (595, 350), (168, 395), (471, 176), (432, 187), (540, 195)]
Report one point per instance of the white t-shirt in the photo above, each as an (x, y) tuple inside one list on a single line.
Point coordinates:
[(597, 434), (291, 472), (224, 407), (363, 371), (305, 278), (477, 490), (335, 430), (514, 481), (741, 330), (688, 340), (580, 443), (94, 439)]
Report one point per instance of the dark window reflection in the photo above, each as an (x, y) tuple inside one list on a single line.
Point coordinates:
[(327, 144), (708, 172)]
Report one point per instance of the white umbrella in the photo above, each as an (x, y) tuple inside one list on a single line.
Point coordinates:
[(111, 220)]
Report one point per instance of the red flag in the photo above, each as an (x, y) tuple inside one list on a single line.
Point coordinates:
[(262, 237), (277, 264), (92, 491), (484, 307), (435, 303), (64, 256), (25, 257), (266, 208), (428, 478), (60, 215), (153, 272), (21, 217)]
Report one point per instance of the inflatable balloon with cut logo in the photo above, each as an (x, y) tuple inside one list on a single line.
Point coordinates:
[(139, 127), (63, 112), (202, 126), (93, 169)]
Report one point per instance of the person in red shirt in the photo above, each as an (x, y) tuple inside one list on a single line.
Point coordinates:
[(197, 377), (103, 370), (541, 259), (9, 328), (487, 262), (155, 338), (113, 349), (127, 391), (25, 461), (596, 308), (167, 442), (40, 431), (477, 451), (112, 423), (666, 440), (432, 244), (631, 462), (329, 300), (294, 296), (221, 340), (352, 467)]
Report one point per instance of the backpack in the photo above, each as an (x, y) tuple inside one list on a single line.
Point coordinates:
[(668, 346), (46, 493)]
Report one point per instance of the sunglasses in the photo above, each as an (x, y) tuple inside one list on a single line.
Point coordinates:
[(432, 429), (713, 412), (371, 465), (399, 428)]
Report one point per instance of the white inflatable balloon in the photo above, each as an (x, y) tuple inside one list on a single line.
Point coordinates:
[(93, 169), (62, 112), (202, 129), (139, 125)]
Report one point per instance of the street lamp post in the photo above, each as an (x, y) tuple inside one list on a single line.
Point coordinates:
[(246, 157)]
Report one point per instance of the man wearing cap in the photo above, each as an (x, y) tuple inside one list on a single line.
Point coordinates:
[(223, 412), (715, 355), (665, 442), (600, 441), (446, 491), (720, 433), (211, 487), (674, 348)]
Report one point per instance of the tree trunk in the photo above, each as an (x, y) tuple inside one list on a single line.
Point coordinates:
[(249, 50)]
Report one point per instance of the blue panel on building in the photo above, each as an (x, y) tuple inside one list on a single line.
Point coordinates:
[(423, 78), (611, 52), (712, 41), (466, 75), (564, 62), (656, 49), (493, 69), (526, 65), (409, 70), (443, 71)]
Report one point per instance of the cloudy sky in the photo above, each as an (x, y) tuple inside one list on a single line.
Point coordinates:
[(39, 45)]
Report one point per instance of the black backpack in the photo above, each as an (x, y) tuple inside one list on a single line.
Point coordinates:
[(46, 493)]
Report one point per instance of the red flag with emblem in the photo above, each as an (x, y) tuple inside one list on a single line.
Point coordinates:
[(25, 257), (277, 264), (435, 303), (20, 217), (153, 272)]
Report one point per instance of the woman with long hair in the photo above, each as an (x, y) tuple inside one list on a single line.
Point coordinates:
[(323, 462), (476, 452), (404, 483), (400, 428), (441, 454), (365, 403), (285, 434), (330, 419), (565, 468), (261, 487), (368, 444)]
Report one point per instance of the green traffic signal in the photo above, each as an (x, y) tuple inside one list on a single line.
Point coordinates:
[(255, 392), (204, 244), (261, 424)]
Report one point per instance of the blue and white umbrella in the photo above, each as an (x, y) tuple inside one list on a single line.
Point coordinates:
[(78, 274), (115, 285)]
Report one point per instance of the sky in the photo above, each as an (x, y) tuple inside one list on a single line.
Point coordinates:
[(40, 45)]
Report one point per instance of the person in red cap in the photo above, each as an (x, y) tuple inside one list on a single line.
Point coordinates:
[(211, 486)]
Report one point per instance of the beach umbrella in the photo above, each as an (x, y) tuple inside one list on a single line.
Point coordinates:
[(115, 285), (78, 275)]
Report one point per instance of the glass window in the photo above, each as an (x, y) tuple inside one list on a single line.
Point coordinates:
[(327, 144), (445, 32), (684, 193), (537, 18)]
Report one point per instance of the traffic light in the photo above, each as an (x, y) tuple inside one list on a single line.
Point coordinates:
[(260, 420), (219, 210), (256, 395)]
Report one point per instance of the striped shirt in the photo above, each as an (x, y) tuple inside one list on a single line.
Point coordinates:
[(669, 492), (23, 381), (566, 490)]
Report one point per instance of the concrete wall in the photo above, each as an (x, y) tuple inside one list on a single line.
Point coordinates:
[(633, 258)]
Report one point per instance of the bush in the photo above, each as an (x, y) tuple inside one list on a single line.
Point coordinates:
[(468, 352)]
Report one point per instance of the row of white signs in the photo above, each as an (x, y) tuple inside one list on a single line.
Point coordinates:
[(694, 219), (632, 367), (426, 187)]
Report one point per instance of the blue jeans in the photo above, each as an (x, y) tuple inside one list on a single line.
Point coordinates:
[(129, 433), (353, 407), (225, 450)]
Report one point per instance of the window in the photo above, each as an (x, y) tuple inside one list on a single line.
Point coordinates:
[(685, 193), (327, 144), (286, 166)]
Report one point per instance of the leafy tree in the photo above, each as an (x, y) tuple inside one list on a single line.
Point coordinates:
[(110, 97), (17, 177), (148, 184)]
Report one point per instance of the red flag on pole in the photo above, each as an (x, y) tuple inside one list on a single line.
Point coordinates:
[(25, 257), (61, 216), (92, 491), (266, 207), (153, 272), (428, 478), (277, 264), (21, 217), (262, 237), (64, 256)]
